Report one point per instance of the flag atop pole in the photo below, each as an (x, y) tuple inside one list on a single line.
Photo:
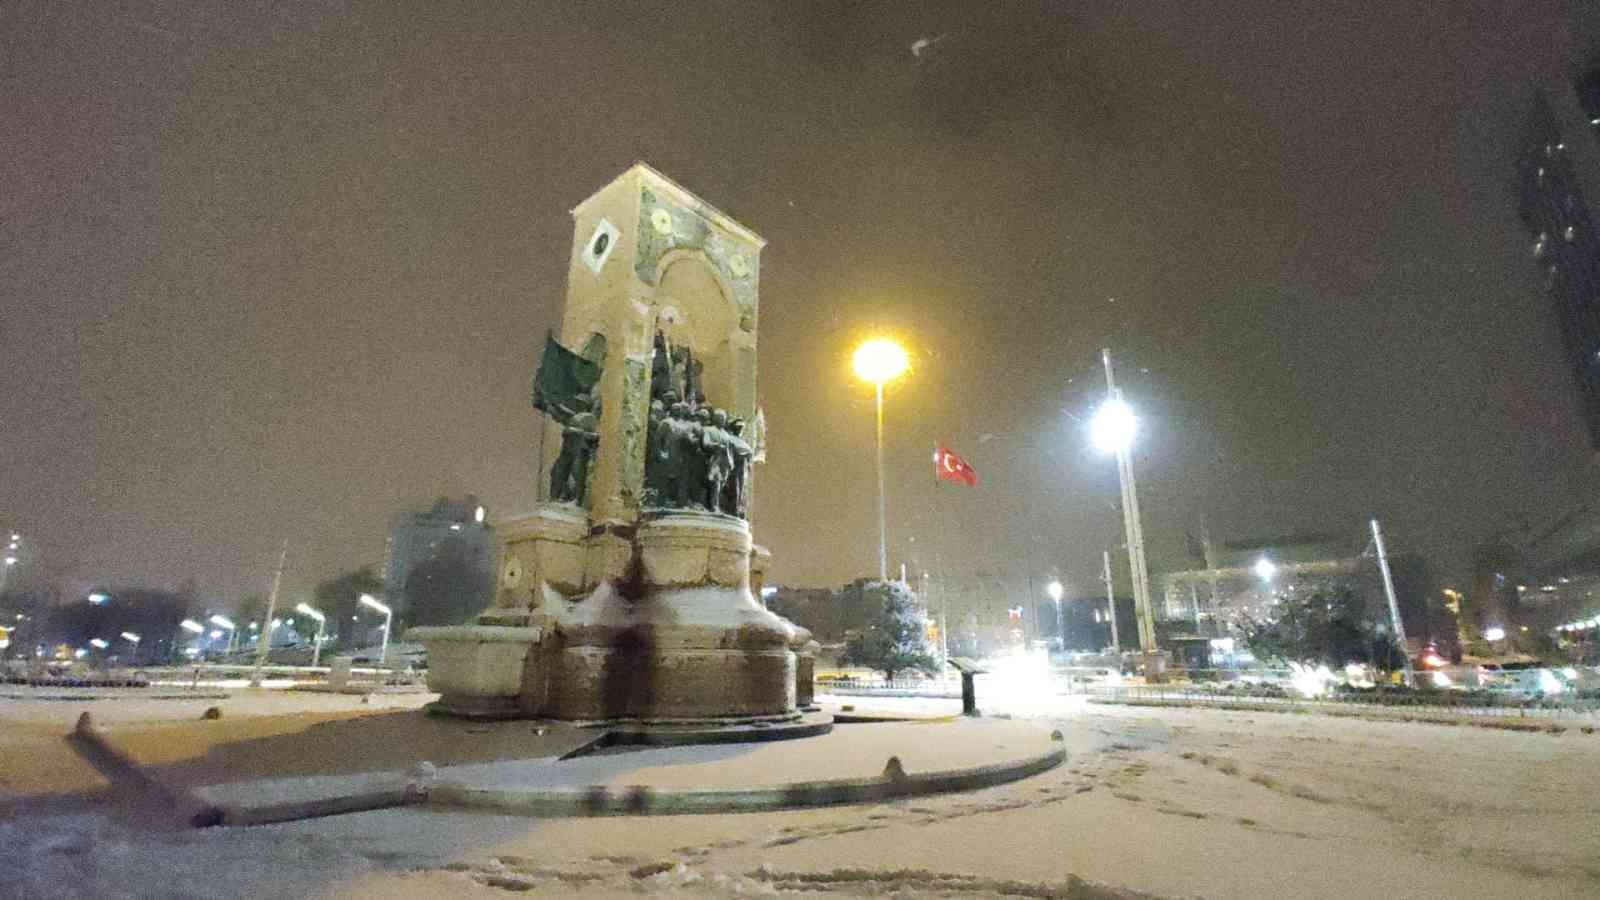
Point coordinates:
[(947, 466)]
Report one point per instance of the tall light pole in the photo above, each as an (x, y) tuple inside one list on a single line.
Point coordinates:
[(233, 630), (1113, 429), (879, 361), (1055, 591), (13, 547), (316, 643), (264, 639), (1111, 602), (370, 602), (1395, 622)]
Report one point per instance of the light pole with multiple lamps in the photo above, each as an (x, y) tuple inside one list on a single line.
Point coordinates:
[(880, 361), (1112, 429), (233, 630), (12, 549), (371, 602), (316, 642), (1055, 591)]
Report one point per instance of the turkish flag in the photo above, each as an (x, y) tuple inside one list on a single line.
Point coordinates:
[(947, 466)]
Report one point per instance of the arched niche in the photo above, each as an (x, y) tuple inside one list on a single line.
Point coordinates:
[(695, 310)]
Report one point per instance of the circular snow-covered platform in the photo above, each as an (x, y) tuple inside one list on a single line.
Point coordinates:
[(571, 772)]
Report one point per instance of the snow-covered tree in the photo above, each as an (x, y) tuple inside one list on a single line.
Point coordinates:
[(896, 637)]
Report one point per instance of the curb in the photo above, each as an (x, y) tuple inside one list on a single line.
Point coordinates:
[(420, 787), (598, 800), (1496, 723), (91, 743), (647, 736)]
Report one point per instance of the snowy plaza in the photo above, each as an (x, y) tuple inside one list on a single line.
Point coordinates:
[(1169, 803)]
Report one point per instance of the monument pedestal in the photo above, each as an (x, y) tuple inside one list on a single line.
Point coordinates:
[(663, 627), (478, 670)]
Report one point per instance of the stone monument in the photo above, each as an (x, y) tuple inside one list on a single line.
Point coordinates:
[(632, 593)]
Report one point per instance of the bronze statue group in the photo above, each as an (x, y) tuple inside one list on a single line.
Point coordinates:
[(695, 454)]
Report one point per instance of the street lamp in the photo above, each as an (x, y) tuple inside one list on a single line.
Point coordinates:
[(1055, 591), (316, 643), (225, 622), (1112, 430), (370, 602), (881, 360), (130, 637)]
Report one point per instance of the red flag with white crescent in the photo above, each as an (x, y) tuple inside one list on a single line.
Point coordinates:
[(947, 466)]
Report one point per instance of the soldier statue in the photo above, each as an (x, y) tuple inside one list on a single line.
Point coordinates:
[(678, 455), (580, 435), (714, 442), (655, 470), (734, 501)]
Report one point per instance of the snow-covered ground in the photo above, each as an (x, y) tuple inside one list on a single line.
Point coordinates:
[(1171, 802)]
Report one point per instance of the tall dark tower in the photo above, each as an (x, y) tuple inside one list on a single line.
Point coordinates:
[(1566, 246)]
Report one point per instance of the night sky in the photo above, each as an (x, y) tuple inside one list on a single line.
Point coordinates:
[(282, 270)]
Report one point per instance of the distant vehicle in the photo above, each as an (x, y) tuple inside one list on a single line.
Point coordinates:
[(1525, 679)]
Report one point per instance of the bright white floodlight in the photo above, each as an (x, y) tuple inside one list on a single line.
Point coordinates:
[(99, 643), (1113, 427), (305, 610), (223, 621), (369, 601), (1055, 590), (192, 626), (1264, 569), (1494, 634), (130, 637)]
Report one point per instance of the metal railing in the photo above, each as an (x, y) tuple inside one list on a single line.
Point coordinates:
[(1493, 704), (909, 687)]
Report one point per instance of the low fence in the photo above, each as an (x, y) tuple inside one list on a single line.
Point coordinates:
[(898, 687), (1476, 703)]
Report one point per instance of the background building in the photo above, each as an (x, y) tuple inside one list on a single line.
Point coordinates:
[(439, 568), (1558, 171)]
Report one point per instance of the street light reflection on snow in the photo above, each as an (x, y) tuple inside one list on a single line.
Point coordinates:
[(1113, 427)]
